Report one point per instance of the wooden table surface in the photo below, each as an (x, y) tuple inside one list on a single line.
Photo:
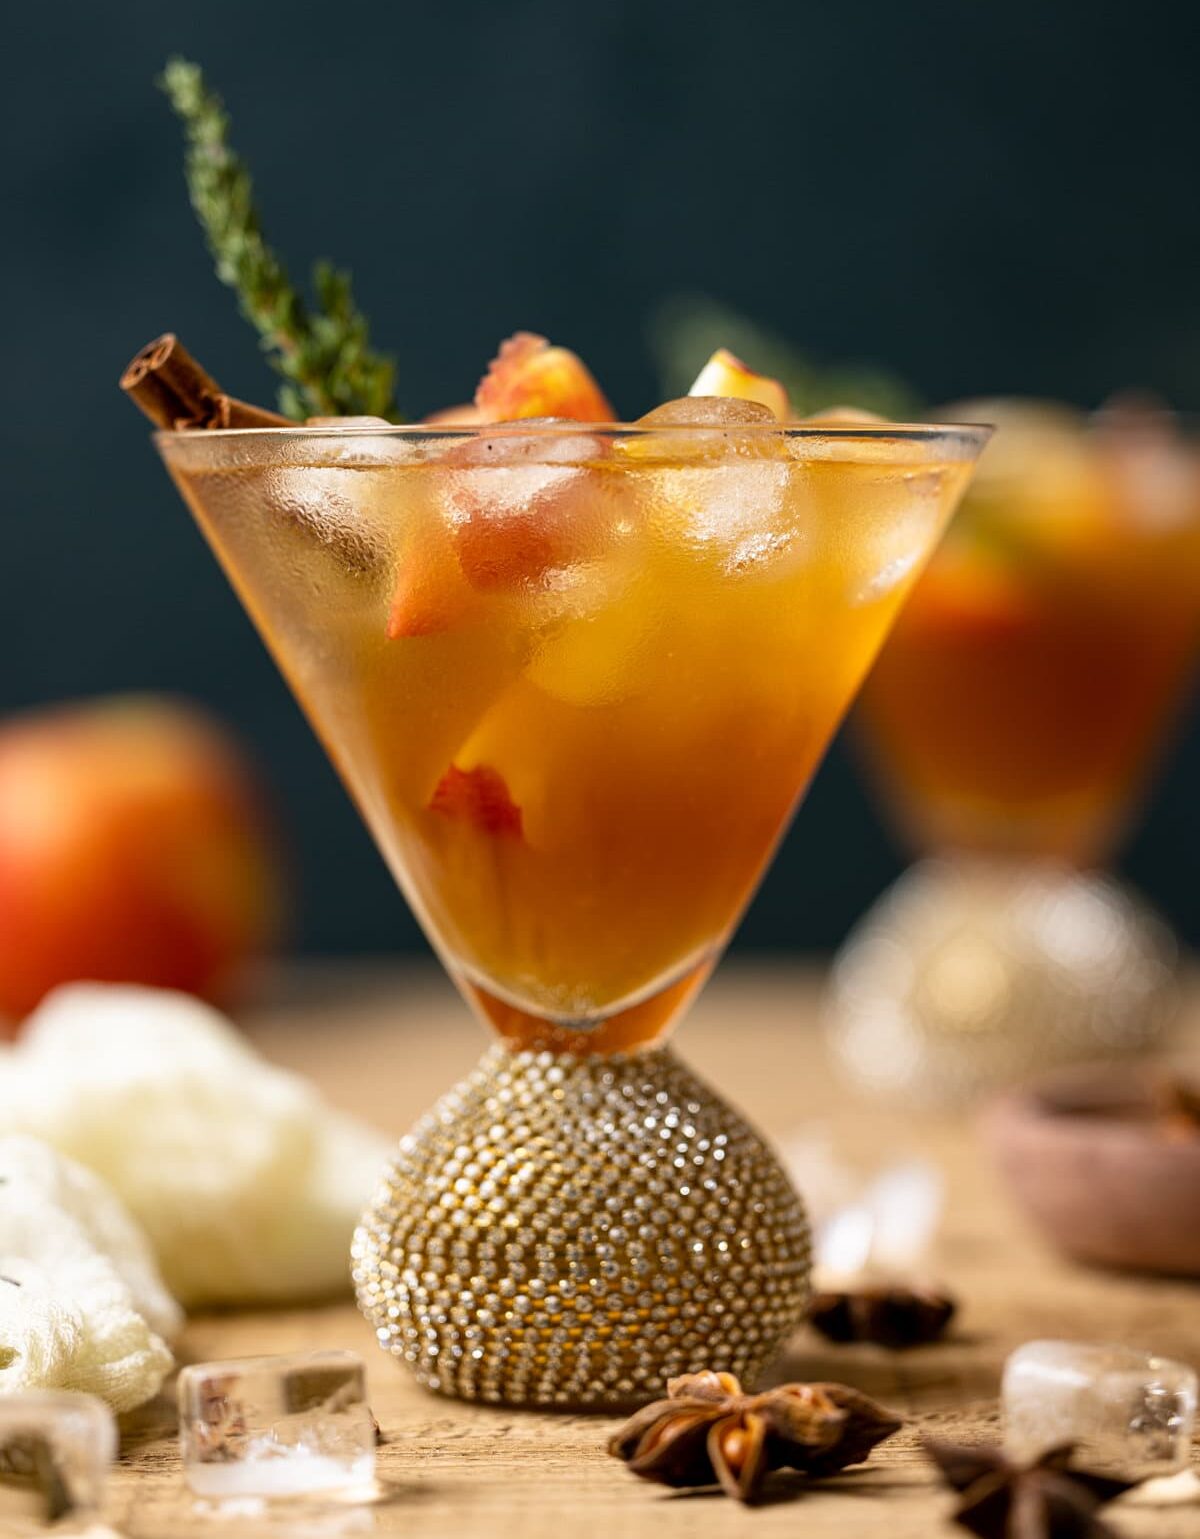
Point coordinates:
[(385, 1043)]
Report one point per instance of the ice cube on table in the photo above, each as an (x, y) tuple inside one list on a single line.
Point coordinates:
[(56, 1447), (1129, 1413), (296, 1425)]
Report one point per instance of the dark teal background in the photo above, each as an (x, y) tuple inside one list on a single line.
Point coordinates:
[(987, 198)]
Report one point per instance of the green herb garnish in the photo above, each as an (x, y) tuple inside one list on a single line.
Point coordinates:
[(322, 352)]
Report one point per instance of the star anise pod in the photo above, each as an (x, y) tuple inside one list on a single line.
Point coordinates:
[(1043, 1500), (707, 1431), (890, 1315)]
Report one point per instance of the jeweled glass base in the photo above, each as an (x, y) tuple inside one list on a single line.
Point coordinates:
[(573, 1231), (972, 973)]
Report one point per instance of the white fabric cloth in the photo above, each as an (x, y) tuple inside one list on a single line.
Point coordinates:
[(81, 1303), (247, 1185)]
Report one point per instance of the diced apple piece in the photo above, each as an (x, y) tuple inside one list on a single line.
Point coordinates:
[(498, 743), (529, 378), (431, 594), (504, 553), (526, 504), (727, 376), (480, 798)]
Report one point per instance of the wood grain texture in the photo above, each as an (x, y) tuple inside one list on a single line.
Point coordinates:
[(385, 1043)]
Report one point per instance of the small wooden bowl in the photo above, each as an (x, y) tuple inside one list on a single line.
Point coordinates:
[(1095, 1171)]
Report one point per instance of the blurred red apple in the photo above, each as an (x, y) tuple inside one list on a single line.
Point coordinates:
[(132, 849)]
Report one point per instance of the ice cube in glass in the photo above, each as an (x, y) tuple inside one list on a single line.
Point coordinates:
[(56, 1447), (296, 1425), (1129, 1413)]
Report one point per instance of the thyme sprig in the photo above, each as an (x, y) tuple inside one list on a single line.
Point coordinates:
[(322, 351)]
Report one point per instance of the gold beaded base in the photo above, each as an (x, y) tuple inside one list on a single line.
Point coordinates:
[(972, 973), (573, 1232)]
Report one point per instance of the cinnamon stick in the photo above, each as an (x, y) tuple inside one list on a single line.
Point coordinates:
[(167, 383)]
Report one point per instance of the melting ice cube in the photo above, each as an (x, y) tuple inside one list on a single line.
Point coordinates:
[(276, 1426), (346, 513), (55, 1451), (1130, 1414)]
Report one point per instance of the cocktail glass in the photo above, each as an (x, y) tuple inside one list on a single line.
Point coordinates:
[(576, 680), (1013, 718)]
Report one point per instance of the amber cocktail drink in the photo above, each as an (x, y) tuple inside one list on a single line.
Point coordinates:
[(575, 681)]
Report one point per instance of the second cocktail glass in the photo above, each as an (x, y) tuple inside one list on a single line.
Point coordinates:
[(576, 680), (1012, 719)]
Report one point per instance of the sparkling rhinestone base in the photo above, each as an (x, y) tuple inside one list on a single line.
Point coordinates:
[(564, 1231)]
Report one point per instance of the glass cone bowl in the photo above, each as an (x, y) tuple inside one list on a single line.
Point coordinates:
[(576, 680), (1012, 720)]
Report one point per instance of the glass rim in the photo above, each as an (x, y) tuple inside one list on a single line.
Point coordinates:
[(968, 433)]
